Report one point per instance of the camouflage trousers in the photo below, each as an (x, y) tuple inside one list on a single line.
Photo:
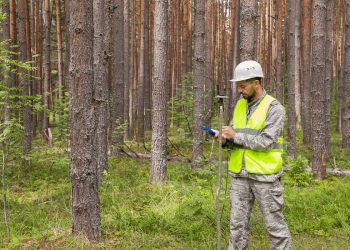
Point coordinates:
[(269, 195)]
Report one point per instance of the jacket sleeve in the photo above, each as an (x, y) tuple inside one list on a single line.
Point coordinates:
[(272, 129)]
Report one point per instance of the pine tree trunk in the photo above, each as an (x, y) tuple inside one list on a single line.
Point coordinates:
[(280, 43), (248, 15), (85, 194), (24, 82), (345, 128), (291, 81), (306, 14), (59, 49), (329, 72), (67, 49), (208, 64), (318, 76), (159, 94), (297, 65), (46, 65), (199, 79), (147, 84), (127, 63), (101, 50), (141, 76), (117, 70)]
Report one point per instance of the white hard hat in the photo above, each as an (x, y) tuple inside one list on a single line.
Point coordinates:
[(247, 70)]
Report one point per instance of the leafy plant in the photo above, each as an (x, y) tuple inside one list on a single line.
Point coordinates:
[(298, 171)]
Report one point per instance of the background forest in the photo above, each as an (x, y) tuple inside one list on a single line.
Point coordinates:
[(102, 103)]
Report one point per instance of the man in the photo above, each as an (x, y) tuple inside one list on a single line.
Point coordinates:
[(256, 159)]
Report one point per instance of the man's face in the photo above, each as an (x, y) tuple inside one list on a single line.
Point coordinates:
[(248, 88)]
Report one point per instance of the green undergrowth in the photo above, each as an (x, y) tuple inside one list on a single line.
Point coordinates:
[(178, 215)]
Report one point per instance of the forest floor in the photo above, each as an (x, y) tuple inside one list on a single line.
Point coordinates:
[(178, 215)]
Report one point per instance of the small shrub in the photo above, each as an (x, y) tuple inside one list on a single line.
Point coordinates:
[(297, 170)]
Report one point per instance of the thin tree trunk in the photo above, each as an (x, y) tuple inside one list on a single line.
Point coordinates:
[(46, 65), (23, 81), (67, 33), (280, 42), (306, 14), (329, 72), (297, 65), (291, 81), (127, 63), (147, 82), (159, 94), (117, 91), (345, 128), (141, 76), (59, 49), (85, 194), (199, 79), (208, 64), (101, 50), (318, 76)]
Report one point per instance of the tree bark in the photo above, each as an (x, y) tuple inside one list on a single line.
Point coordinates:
[(345, 128), (46, 65), (127, 63), (100, 95), (291, 81), (248, 15), (147, 82), (306, 14), (141, 76), (59, 49), (85, 194), (117, 70), (208, 64), (318, 82), (23, 81), (329, 72), (199, 79), (159, 94)]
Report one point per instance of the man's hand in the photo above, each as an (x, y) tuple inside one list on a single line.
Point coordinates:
[(228, 132)]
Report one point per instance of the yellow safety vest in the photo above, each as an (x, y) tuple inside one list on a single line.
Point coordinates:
[(256, 161)]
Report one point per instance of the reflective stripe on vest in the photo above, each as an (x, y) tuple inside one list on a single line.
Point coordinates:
[(256, 161)]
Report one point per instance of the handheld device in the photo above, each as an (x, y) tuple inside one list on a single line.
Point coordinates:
[(213, 132)]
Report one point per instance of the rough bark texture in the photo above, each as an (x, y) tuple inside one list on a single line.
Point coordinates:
[(248, 15), (85, 195), (329, 73), (100, 94), (306, 14), (159, 94), (23, 81), (199, 79), (345, 128), (127, 63), (318, 70), (46, 64), (117, 107), (297, 65), (291, 81), (67, 54), (208, 64), (141, 76), (147, 84), (59, 49)]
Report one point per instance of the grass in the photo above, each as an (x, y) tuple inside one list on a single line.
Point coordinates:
[(177, 215)]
